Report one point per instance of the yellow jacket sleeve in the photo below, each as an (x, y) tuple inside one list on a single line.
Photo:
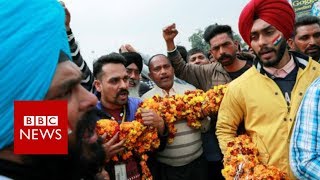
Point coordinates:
[(231, 114)]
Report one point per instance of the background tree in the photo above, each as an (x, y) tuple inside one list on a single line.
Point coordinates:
[(238, 38), (197, 41)]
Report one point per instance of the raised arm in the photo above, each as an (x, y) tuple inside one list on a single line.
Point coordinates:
[(87, 81), (201, 76)]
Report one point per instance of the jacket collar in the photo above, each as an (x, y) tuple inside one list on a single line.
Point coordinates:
[(107, 115), (300, 60)]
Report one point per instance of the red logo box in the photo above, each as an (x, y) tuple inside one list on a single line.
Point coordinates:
[(40, 127)]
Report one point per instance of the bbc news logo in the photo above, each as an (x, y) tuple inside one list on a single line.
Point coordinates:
[(40, 127), (34, 133)]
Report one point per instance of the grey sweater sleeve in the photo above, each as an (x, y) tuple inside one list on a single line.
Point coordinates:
[(87, 81)]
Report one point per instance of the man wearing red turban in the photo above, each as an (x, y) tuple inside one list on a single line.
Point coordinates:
[(267, 96)]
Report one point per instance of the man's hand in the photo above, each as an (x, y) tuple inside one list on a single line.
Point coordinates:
[(130, 48), (68, 16), (111, 147), (127, 48), (169, 33), (151, 118)]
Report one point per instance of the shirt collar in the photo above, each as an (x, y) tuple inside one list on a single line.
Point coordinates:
[(284, 71), (172, 91)]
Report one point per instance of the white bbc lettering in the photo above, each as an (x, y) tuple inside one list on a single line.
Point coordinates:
[(41, 120), (52, 120), (24, 134), (28, 120), (36, 134), (58, 134)]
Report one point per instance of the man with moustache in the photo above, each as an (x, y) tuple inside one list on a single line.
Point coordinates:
[(182, 159), (42, 70), (134, 68), (267, 96), (306, 36), (224, 50), (112, 81)]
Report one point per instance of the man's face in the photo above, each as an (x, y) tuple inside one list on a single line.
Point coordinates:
[(223, 49), (113, 85), (66, 86), (198, 58), (161, 72), (268, 43), (133, 73), (307, 40), (86, 153)]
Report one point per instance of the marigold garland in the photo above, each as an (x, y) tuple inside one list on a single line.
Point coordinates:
[(139, 139), (241, 162), (192, 106)]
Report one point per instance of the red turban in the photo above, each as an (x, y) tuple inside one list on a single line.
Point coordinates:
[(278, 13)]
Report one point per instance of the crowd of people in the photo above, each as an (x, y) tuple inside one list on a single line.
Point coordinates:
[(273, 93)]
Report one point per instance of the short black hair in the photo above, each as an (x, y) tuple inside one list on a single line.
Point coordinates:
[(215, 29), (195, 51), (305, 20), (152, 57), (115, 58)]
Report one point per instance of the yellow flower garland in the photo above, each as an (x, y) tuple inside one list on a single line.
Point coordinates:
[(139, 139), (241, 162)]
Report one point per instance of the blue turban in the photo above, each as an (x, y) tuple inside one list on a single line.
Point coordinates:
[(32, 34)]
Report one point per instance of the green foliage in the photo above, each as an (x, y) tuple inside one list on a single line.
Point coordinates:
[(197, 41), (238, 38)]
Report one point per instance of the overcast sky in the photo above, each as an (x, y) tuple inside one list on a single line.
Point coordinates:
[(101, 26)]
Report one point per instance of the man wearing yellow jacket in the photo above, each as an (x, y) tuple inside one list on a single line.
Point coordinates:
[(267, 96)]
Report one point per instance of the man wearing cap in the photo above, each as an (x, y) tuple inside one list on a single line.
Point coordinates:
[(267, 96)]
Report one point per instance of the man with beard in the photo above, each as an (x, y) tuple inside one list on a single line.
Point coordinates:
[(267, 96), (229, 66), (112, 81), (134, 68), (306, 36), (42, 70)]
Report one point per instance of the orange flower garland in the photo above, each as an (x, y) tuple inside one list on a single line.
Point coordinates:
[(213, 99), (192, 106), (139, 139), (241, 162), (110, 127)]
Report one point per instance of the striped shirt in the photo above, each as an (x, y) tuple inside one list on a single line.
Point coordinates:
[(305, 141), (187, 143), (87, 81)]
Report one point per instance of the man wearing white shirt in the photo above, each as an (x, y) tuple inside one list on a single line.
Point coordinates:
[(183, 158)]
